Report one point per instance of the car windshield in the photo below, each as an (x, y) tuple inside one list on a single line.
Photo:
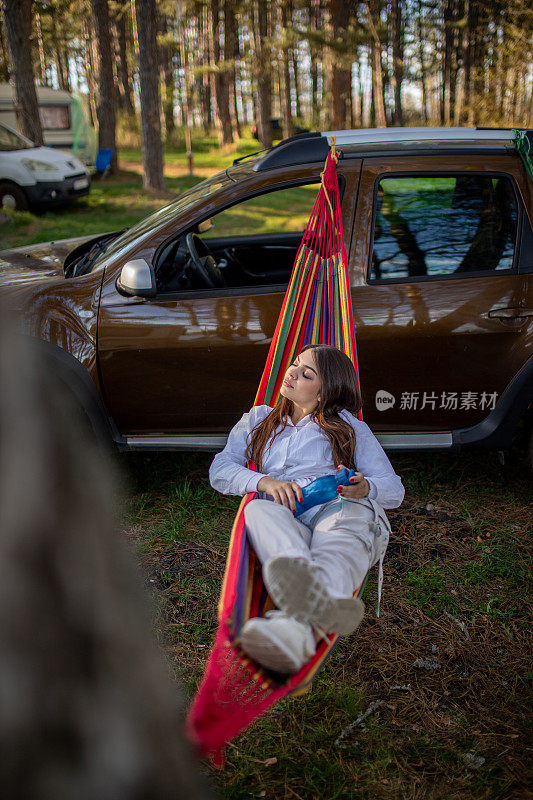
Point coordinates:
[(161, 217), (9, 141)]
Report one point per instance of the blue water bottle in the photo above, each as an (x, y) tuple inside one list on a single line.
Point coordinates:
[(323, 490)]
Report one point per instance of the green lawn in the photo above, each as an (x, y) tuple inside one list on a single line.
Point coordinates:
[(447, 660)]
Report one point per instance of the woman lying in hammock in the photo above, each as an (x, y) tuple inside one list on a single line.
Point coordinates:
[(312, 565)]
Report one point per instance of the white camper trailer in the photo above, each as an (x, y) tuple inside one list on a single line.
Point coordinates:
[(62, 118)]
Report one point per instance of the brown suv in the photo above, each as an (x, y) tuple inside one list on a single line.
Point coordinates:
[(161, 331)]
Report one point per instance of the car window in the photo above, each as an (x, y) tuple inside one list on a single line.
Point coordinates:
[(9, 141), (432, 226), (281, 211), (253, 243), (147, 226)]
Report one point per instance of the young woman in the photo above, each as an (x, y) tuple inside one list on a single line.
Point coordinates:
[(312, 564)]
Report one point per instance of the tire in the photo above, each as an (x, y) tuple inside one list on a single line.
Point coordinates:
[(12, 197)]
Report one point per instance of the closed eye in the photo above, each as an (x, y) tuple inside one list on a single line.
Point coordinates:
[(306, 375)]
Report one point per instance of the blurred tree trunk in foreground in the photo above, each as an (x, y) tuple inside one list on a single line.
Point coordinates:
[(152, 146), (18, 25), (87, 710)]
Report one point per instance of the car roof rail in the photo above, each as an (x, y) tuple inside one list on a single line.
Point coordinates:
[(249, 155), (527, 131), (314, 145), (298, 149)]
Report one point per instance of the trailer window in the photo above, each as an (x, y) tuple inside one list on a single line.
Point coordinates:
[(55, 118)]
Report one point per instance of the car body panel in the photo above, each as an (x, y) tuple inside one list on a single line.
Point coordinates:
[(454, 347), (50, 307)]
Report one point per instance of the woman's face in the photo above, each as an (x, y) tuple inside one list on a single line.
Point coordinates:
[(301, 383)]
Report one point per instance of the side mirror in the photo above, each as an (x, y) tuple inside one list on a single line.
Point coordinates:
[(137, 279), (204, 226)]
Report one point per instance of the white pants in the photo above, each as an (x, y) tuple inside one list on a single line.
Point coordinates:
[(345, 539)]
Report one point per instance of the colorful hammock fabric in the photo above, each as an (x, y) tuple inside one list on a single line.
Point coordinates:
[(317, 309)]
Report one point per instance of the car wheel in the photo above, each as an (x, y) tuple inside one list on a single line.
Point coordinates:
[(12, 197)]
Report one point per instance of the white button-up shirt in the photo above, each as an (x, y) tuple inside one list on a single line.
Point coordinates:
[(302, 453)]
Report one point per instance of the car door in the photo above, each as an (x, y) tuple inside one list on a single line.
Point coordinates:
[(438, 293), (188, 363)]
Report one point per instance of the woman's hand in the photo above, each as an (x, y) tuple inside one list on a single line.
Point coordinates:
[(358, 488), (283, 492)]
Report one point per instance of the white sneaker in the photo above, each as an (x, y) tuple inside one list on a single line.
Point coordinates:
[(278, 642), (295, 586)]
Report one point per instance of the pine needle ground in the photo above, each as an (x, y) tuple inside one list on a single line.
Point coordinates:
[(428, 701)]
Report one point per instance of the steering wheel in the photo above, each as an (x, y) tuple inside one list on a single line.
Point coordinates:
[(202, 264)]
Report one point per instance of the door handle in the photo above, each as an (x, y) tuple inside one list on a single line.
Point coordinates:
[(510, 313)]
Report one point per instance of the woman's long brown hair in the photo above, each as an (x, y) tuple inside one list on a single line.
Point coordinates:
[(339, 391)]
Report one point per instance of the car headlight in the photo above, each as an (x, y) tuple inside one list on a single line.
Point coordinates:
[(38, 166)]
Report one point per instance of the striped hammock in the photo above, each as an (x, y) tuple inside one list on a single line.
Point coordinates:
[(316, 310)]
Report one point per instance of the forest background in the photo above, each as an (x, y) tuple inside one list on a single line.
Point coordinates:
[(156, 71)]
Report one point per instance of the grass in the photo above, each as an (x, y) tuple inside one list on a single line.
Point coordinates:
[(457, 556)]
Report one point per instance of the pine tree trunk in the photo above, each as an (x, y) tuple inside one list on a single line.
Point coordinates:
[(121, 50), (284, 74), (231, 54), (219, 79), (422, 62), (203, 83), (60, 57), (166, 53), (152, 147), (467, 115), (90, 70), (42, 60), (185, 101), (315, 20), (380, 120), (297, 87), (479, 55), (18, 23), (338, 78), (261, 14), (106, 102), (397, 25), (445, 108), (244, 96), (457, 55)]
